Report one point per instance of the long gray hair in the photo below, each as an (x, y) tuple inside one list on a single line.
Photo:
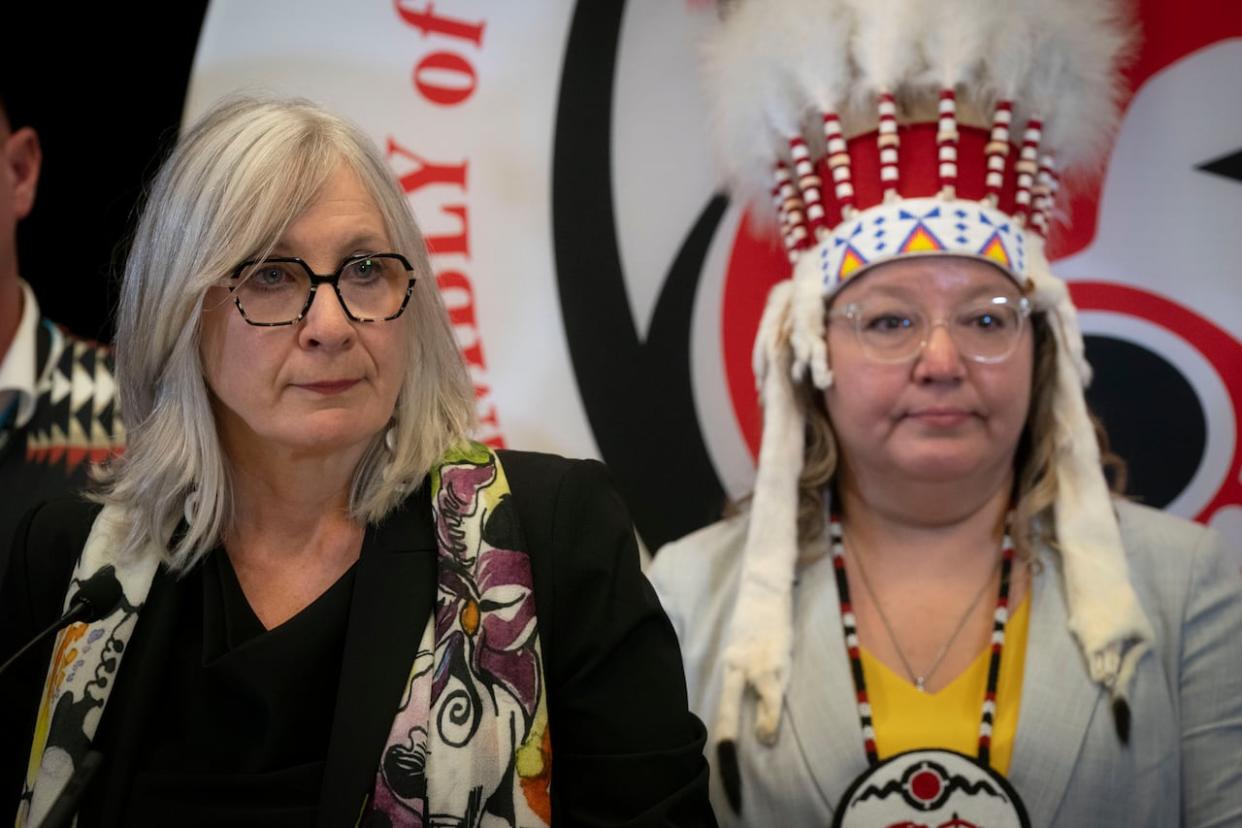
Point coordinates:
[(231, 186)]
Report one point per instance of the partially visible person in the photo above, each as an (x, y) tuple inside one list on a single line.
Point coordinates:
[(336, 607), (932, 611), (58, 415)]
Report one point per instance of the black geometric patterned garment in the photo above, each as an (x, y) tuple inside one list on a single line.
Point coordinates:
[(76, 423)]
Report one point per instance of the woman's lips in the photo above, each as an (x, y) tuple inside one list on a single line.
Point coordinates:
[(940, 417), (329, 387)]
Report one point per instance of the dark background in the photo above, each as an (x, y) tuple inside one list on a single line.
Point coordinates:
[(104, 86)]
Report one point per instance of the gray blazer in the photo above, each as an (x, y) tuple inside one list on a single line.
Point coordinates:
[(1183, 765)]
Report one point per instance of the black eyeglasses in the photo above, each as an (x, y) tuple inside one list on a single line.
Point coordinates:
[(279, 290)]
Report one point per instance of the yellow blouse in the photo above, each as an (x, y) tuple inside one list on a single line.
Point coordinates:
[(905, 719)]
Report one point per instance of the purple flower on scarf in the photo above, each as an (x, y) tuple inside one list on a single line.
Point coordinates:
[(459, 737), (458, 497), (485, 612)]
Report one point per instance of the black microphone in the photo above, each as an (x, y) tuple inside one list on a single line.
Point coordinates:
[(97, 597)]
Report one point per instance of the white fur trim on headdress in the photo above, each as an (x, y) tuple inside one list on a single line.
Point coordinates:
[(1052, 294), (760, 636), (1104, 612), (806, 317)]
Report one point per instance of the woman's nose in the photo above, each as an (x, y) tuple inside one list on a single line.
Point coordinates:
[(326, 324), (940, 359)]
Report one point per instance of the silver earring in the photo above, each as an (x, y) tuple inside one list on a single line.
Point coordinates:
[(390, 440)]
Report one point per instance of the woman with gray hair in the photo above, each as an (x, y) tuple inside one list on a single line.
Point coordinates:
[(333, 606)]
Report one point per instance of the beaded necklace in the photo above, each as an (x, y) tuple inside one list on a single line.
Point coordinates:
[(926, 780)]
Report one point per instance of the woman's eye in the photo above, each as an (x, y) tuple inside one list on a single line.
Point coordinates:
[(364, 270), (270, 277), (986, 321), (888, 322)]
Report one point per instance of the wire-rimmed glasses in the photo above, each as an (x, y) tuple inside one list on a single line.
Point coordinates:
[(892, 330)]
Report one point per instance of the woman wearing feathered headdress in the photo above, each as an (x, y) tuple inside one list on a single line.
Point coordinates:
[(932, 611)]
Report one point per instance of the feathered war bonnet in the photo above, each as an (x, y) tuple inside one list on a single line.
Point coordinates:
[(891, 128)]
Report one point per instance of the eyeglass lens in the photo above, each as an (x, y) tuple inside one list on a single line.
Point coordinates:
[(274, 292), (987, 331)]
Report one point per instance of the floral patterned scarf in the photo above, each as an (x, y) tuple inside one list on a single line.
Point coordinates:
[(469, 745)]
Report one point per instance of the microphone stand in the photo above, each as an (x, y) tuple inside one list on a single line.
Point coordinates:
[(97, 597), (75, 613)]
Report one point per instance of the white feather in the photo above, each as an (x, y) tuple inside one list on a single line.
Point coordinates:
[(772, 61), (1011, 43), (1075, 82), (885, 44), (816, 34), (752, 101), (953, 40)]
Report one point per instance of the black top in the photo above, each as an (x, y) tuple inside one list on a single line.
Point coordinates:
[(216, 720), (248, 738)]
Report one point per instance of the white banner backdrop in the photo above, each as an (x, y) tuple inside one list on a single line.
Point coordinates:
[(463, 102), (556, 156)]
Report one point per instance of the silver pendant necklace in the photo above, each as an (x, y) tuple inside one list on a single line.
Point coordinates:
[(920, 681)]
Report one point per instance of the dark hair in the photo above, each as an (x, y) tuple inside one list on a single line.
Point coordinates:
[(13, 108)]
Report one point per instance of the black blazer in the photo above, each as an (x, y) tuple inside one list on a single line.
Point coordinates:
[(625, 748)]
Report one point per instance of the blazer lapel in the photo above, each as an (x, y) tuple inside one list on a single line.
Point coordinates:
[(394, 590), (822, 711), (1058, 700)]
